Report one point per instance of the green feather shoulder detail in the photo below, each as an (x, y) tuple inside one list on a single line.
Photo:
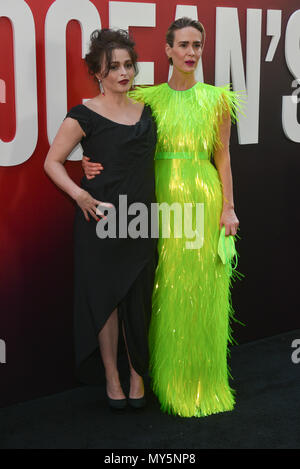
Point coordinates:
[(189, 120), (146, 94)]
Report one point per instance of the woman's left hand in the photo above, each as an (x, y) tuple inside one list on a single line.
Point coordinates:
[(230, 221)]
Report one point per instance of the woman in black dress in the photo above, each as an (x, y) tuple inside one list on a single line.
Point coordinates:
[(113, 276)]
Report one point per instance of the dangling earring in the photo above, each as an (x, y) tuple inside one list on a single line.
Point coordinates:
[(101, 87)]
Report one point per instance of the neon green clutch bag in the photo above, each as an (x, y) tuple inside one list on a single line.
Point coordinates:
[(226, 247)]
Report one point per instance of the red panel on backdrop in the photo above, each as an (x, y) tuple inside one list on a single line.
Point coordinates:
[(36, 229)]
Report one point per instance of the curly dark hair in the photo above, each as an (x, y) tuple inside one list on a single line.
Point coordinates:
[(102, 44), (181, 23)]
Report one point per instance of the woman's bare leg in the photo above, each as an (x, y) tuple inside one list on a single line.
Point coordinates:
[(108, 343), (136, 381)]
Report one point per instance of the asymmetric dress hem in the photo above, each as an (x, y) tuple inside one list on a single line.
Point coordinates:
[(113, 270)]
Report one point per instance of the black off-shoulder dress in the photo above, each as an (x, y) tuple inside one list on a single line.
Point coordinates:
[(114, 272)]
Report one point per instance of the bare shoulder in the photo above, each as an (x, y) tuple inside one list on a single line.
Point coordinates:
[(70, 127)]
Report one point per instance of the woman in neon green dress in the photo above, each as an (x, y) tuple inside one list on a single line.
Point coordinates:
[(190, 325)]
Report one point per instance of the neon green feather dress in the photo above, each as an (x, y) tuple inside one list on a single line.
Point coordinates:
[(190, 325)]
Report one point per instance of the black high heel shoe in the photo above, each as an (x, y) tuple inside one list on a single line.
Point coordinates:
[(139, 403), (117, 404)]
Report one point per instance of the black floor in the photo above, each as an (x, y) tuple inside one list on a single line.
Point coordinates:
[(267, 414)]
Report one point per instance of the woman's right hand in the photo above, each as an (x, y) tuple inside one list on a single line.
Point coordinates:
[(89, 205), (91, 169)]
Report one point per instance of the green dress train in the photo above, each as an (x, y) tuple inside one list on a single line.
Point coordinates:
[(190, 325)]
